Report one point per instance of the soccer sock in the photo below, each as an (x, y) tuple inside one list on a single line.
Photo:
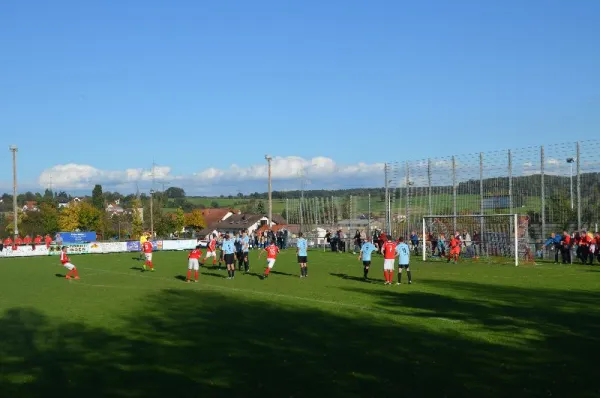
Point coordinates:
[(386, 276), (366, 271), (214, 262), (399, 276), (267, 271), (233, 272), (75, 272), (189, 274), (150, 264), (246, 265), (391, 276), (196, 275), (69, 273), (306, 270), (409, 276)]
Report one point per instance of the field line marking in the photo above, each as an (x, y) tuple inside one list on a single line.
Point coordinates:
[(256, 292)]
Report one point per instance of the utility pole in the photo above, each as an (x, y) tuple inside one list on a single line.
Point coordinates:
[(152, 213), (14, 150), (302, 201), (387, 205), (269, 158)]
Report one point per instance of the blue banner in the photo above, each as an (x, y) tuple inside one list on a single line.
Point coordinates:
[(74, 237)]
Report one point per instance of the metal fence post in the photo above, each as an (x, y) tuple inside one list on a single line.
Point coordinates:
[(543, 193), (454, 194), (480, 192), (510, 182), (578, 187), (430, 207)]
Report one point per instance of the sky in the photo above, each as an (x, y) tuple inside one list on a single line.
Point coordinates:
[(99, 91)]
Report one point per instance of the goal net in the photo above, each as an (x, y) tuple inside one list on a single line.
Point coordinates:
[(498, 238)]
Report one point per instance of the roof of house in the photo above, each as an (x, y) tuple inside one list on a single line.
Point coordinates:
[(274, 228), (213, 216), (277, 219), (237, 221)]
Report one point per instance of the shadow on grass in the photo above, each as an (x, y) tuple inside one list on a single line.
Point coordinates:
[(60, 275), (282, 273), (134, 268), (181, 277), (544, 341), (189, 343), (356, 278)]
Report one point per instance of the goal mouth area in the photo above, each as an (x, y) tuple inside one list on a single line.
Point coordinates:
[(480, 237)]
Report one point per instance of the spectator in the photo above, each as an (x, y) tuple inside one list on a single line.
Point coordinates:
[(554, 243), (18, 242), (48, 241), (27, 240), (414, 240), (37, 241), (357, 242), (468, 243)]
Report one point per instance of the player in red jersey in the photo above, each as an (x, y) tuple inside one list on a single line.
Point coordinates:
[(566, 248), (64, 259), (272, 251), (37, 241), (454, 249), (27, 240), (8, 243), (147, 249), (193, 264), (47, 241), (211, 250), (389, 255), (18, 242)]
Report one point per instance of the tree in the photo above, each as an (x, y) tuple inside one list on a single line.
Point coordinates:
[(97, 197), (137, 225), (68, 219), (10, 222), (32, 223), (49, 218), (260, 207), (89, 217), (179, 220), (174, 192), (195, 219)]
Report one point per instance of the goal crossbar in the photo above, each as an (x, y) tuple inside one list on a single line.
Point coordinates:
[(513, 217)]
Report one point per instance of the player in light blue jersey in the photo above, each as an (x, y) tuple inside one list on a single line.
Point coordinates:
[(228, 249), (245, 250), (365, 255), (302, 253), (403, 252)]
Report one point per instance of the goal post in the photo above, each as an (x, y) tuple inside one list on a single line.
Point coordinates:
[(493, 237)]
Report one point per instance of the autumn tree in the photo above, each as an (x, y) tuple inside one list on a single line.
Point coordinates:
[(195, 219), (179, 220), (89, 217), (10, 222), (137, 224), (49, 215), (68, 219)]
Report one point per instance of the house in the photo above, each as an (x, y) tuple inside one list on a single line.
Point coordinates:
[(30, 206), (66, 204), (114, 208), (235, 223), (214, 216)]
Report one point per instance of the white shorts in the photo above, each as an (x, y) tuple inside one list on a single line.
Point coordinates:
[(69, 266), (270, 262), (388, 264), (148, 256), (193, 264), (211, 254)]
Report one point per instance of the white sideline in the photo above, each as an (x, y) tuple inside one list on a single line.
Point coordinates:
[(232, 289)]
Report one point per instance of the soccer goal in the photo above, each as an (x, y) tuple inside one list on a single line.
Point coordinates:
[(496, 238)]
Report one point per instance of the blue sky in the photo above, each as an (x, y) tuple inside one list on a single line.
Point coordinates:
[(93, 91)]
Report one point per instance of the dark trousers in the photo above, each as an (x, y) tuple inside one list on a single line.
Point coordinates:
[(1, 246), (566, 254), (583, 252), (557, 250)]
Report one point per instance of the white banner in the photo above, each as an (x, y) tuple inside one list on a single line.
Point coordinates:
[(24, 251), (107, 247), (185, 244)]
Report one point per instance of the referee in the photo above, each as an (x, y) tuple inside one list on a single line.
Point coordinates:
[(228, 249)]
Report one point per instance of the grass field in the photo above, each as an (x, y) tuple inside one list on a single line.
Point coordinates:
[(466, 330)]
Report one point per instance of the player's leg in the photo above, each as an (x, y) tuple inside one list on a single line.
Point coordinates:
[(72, 271), (366, 265), (246, 262), (408, 274), (196, 267), (189, 270), (305, 263), (399, 274), (149, 261), (270, 264)]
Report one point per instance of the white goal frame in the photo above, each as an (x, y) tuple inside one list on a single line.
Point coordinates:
[(515, 221)]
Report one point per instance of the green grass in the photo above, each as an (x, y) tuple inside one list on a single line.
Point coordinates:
[(466, 330)]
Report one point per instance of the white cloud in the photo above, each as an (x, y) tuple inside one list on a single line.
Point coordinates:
[(286, 172)]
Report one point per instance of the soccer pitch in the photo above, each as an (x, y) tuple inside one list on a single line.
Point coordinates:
[(465, 330)]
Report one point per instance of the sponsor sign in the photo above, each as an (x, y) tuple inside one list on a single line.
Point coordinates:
[(24, 251), (184, 244), (81, 248), (134, 246), (107, 247), (75, 237)]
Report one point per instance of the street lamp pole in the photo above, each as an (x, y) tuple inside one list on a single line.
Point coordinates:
[(152, 213), (14, 150), (269, 158), (571, 161)]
